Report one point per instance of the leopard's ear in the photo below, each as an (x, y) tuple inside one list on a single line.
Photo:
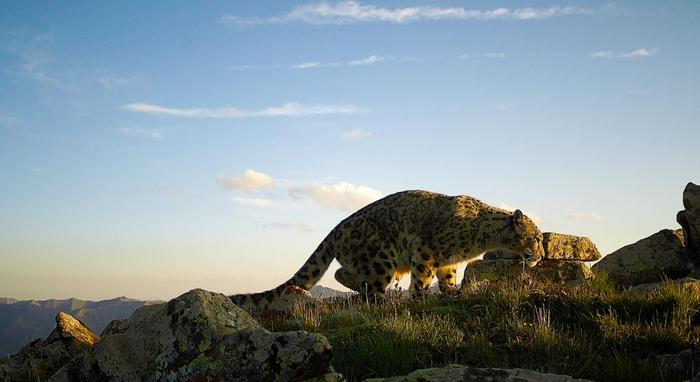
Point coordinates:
[(518, 216)]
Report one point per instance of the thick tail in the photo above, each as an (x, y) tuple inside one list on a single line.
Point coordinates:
[(306, 278)]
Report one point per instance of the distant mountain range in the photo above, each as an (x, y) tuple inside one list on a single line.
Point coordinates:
[(21, 322), (24, 321)]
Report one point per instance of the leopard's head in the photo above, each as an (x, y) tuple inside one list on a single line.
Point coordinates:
[(525, 238)]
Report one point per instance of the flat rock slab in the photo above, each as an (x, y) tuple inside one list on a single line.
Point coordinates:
[(198, 336), (557, 246), (40, 359), (467, 373), (652, 259)]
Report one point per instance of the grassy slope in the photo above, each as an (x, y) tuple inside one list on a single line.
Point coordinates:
[(592, 331)]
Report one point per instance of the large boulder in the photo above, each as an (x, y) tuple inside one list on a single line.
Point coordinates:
[(570, 272), (689, 219), (655, 258), (198, 336), (41, 358), (468, 373), (557, 246)]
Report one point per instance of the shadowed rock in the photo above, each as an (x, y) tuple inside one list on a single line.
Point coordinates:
[(40, 359), (199, 336), (467, 373), (689, 219), (661, 255)]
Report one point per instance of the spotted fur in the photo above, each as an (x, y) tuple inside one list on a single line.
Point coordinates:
[(418, 232)]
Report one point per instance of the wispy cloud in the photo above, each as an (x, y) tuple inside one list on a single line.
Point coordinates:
[(307, 65), (299, 226), (637, 53), (251, 180), (371, 60), (342, 196), (578, 215), (112, 82), (143, 133), (355, 134), (483, 55), (289, 109), (348, 12), (253, 202)]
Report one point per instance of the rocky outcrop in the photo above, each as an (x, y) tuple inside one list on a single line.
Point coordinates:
[(467, 373), (659, 256), (689, 219), (41, 358), (558, 246), (199, 336)]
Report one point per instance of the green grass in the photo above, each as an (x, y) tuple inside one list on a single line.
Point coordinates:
[(591, 331)]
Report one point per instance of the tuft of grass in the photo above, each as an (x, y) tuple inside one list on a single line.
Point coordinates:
[(592, 331)]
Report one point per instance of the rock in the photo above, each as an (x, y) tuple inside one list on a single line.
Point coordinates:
[(115, 327), (502, 254), (41, 358), (690, 220), (467, 373), (558, 246), (292, 297), (685, 283), (651, 259), (571, 272), (199, 336)]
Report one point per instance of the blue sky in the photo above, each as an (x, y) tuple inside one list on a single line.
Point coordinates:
[(150, 148)]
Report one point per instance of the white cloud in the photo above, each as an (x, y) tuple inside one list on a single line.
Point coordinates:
[(505, 206), (299, 226), (356, 134), (253, 202), (251, 180), (306, 65), (637, 53), (483, 55), (144, 133), (577, 215), (365, 61), (581, 216), (348, 12), (110, 83), (342, 196), (373, 59), (289, 109)]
